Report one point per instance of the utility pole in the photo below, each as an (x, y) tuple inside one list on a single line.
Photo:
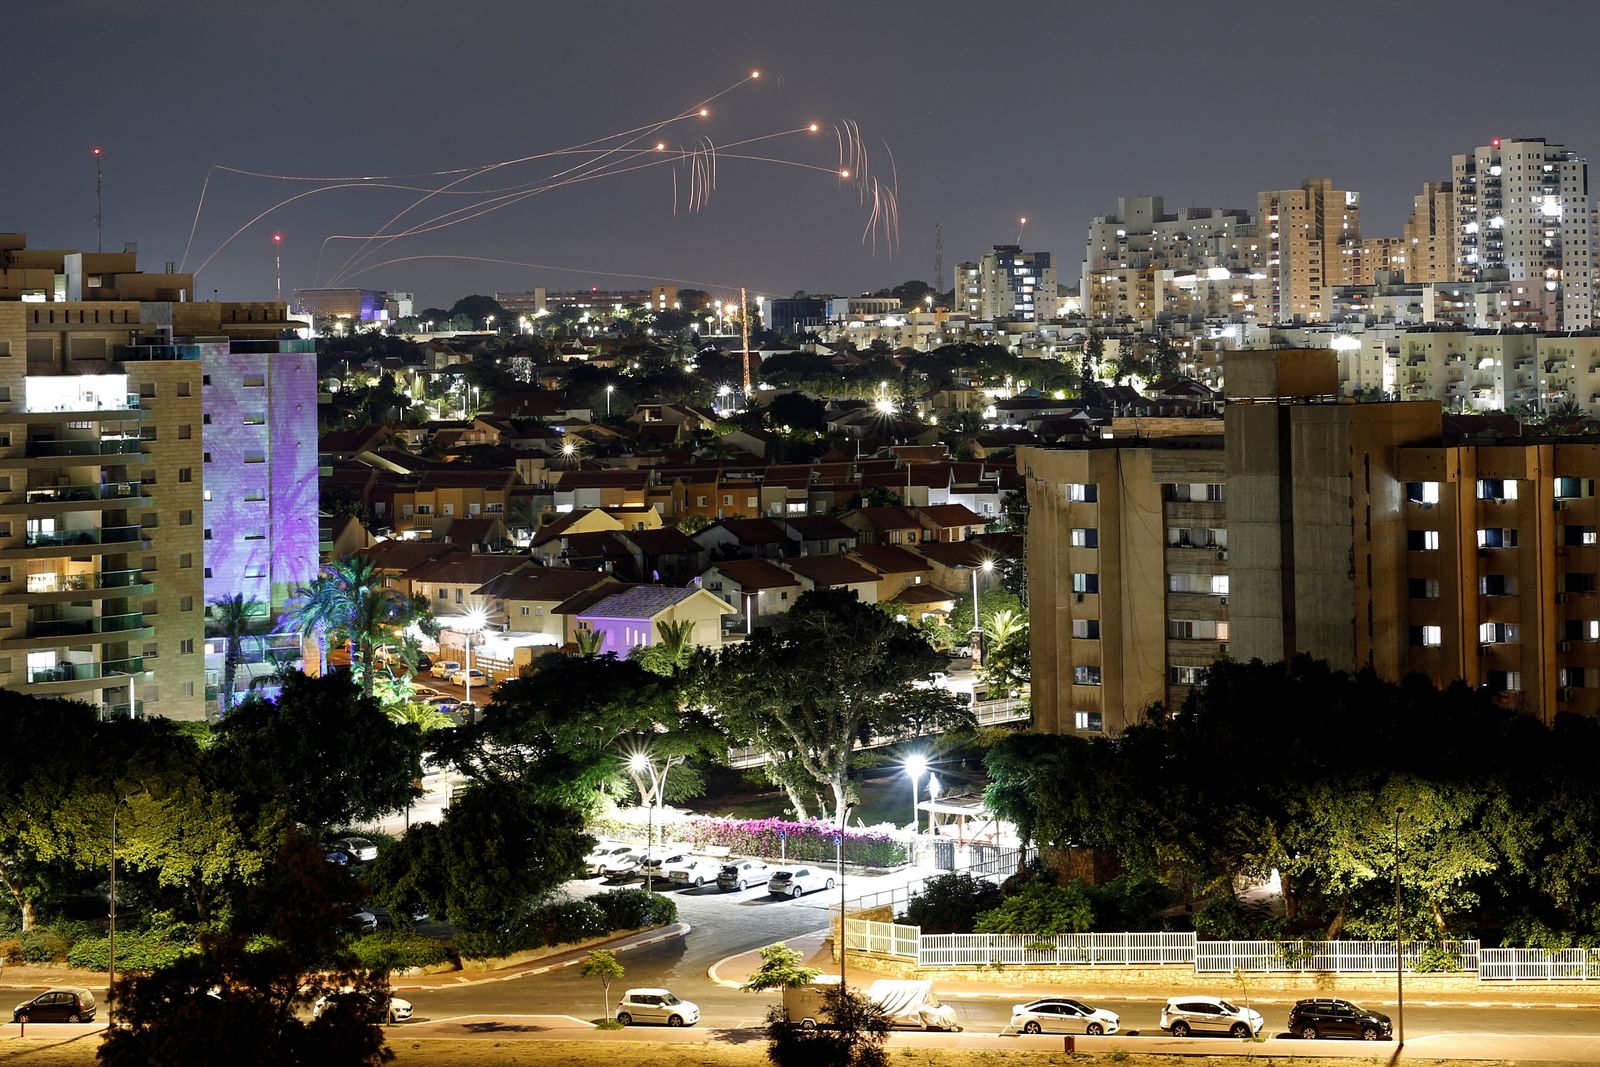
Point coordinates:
[(98, 220), (744, 329), (1399, 958)]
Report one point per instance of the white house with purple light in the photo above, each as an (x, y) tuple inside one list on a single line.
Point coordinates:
[(628, 618)]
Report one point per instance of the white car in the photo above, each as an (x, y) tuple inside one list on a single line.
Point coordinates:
[(660, 861), (605, 853), (694, 870), (461, 677), (1183, 1016), (738, 875), (359, 849), (656, 1006), (1058, 1015), (444, 668), (398, 1011), (793, 881), (622, 865)]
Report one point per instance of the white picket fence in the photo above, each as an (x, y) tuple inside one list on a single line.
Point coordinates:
[(1339, 957), (1128, 950), (1536, 965), (1210, 957)]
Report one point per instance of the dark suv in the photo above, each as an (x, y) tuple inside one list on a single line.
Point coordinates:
[(1312, 1019)]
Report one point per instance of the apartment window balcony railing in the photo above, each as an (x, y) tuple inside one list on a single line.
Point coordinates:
[(121, 711), (105, 535), (68, 493), (105, 446), (78, 672), (149, 353), (78, 582), (290, 345), (103, 624)]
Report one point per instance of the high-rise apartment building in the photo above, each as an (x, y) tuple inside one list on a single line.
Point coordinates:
[(155, 454), (1307, 235), (1430, 235), (1523, 214), (1354, 532), (1127, 252), (1008, 284)]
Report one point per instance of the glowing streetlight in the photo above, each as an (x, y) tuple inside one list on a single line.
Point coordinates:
[(640, 763), (915, 765), (472, 622), (609, 390), (976, 636)]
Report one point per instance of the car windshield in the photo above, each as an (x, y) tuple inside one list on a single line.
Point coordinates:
[(668, 998), (1079, 1005)]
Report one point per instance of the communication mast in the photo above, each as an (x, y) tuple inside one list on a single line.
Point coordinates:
[(744, 357)]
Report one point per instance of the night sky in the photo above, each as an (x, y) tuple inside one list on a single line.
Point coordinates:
[(991, 110)]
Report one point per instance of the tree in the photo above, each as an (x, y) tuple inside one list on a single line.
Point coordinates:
[(232, 621), (856, 1039), (323, 751), (1006, 665), (350, 601), (781, 968), (477, 308), (951, 903), (670, 653), (589, 642), (833, 674), (602, 964), (1042, 910)]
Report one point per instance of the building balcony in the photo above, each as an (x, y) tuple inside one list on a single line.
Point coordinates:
[(269, 347), (96, 497), (48, 588), (1196, 513), (41, 543), (89, 447), (157, 353), (105, 629), (73, 677)]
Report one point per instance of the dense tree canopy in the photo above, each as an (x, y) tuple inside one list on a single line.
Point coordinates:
[(1301, 770)]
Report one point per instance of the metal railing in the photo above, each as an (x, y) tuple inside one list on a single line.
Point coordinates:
[(78, 672), (1340, 957), (78, 582), (103, 624), (1123, 950), (68, 493), (284, 345), (1537, 965), (883, 939), (104, 535), (157, 352), (38, 448)]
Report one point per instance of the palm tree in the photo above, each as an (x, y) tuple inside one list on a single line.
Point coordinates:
[(589, 642), (1004, 624), (349, 602), (232, 623)]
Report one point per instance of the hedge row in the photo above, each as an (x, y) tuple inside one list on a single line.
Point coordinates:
[(772, 839), (136, 951), (395, 950), (563, 922)]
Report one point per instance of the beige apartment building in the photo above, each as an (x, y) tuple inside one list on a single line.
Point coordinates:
[(1354, 532), (116, 526), (1430, 235)]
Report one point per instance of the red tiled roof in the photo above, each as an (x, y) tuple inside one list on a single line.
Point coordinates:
[(756, 574), (889, 559), (830, 570), (465, 569)]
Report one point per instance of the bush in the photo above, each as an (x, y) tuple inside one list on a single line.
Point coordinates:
[(1129, 903), (1436, 959), (394, 950), (10, 950), (951, 903), (1042, 910), (634, 909), (44, 944), (141, 950), (565, 921)]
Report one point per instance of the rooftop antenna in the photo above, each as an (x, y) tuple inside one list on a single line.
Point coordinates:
[(938, 260), (98, 176)]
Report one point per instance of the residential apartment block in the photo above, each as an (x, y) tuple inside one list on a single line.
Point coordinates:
[(155, 454), (1008, 284), (1355, 532)]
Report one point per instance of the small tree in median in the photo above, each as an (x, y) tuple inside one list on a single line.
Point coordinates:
[(781, 968), (603, 965)]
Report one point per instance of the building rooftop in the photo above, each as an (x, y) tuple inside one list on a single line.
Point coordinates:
[(825, 571), (755, 574)]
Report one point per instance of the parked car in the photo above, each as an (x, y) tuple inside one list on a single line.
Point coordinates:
[(459, 677), (360, 849), (395, 1010), (625, 865), (1059, 1015), (742, 874), (694, 870), (793, 881), (657, 863), (1208, 1015), (656, 1006), (64, 1004), (444, 668), (604, 853), (359, 921), (1312, 1019), (424, 692)]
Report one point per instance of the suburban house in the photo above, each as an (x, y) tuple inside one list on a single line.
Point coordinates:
[(525, 601), (835, 572), (897, 568), (627, 618), (820, 535), (744, 539), (757, 589)]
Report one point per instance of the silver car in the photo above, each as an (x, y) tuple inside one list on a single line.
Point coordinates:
[(1183, 1016), (1058, 1015)]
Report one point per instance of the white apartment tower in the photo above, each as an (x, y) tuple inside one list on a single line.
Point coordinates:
[(1008, 285), (1523, 215)]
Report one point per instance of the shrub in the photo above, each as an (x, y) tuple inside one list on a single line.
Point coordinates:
[(634, 909), (137, 950), (564, 921), (951, 903), (1129, 903), (44, 944), (10, 950), (1040, 909), (394, 950), (483, 944), (1436, 959)]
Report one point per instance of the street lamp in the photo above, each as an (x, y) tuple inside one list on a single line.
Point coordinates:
[(609, 390), (473, 622), (640, 763), (915, 764), (1399, 957), (975, 638), (933, 798)]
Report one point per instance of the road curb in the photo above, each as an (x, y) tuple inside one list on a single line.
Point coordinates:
[(664, 934)]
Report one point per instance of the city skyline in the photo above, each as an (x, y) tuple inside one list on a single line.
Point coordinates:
[(353, 100)]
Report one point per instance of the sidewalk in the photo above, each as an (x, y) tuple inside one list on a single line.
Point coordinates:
[(35, 977), (817, 950)]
